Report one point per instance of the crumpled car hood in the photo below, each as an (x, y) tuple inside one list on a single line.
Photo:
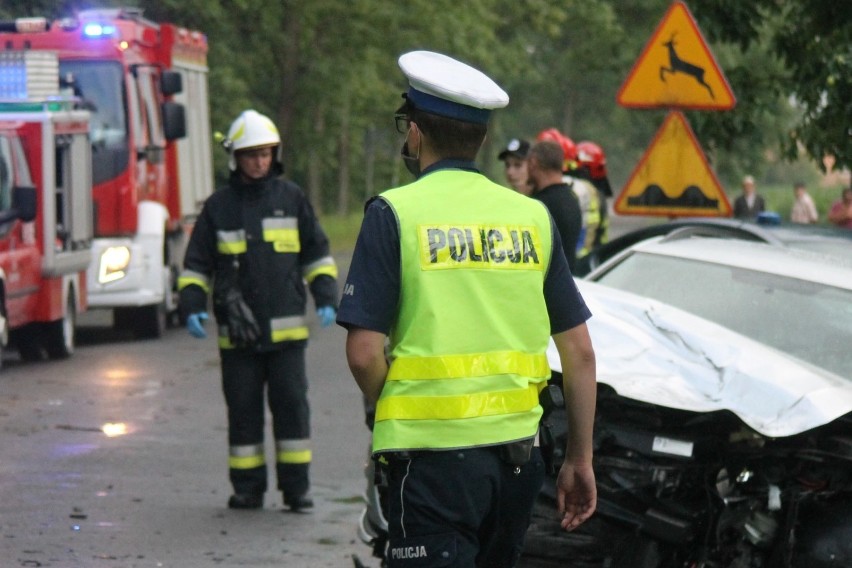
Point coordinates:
[(652, 352)]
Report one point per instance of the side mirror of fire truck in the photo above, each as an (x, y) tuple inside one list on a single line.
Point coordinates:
[(171, 83), (174, 120), (23, 205)]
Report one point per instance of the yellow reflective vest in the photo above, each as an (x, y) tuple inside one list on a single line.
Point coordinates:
[(468, 347)]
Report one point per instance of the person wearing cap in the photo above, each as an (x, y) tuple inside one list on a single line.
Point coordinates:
[(514, 156), (748, 204), (255, 244), (467, 282)]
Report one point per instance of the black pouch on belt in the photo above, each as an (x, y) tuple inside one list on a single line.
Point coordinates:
[(517, 453)]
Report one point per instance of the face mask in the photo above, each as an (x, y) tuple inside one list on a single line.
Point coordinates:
[(412, 163)]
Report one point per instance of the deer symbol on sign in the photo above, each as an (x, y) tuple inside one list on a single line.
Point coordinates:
[(678, 65)]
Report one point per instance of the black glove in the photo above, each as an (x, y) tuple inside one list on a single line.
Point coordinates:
[(242, 327)]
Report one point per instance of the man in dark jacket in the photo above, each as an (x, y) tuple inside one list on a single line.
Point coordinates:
[(544, 164), (255, 244), (748, 204)]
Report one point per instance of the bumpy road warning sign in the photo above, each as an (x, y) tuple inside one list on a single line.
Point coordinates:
[(673, 178), (676, 69)]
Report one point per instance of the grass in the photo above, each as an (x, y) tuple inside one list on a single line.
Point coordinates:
[(779, 198), (342, 231)]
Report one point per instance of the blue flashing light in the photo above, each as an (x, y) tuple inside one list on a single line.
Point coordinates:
[(95, 30)]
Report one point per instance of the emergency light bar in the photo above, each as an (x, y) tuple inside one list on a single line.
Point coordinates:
[(95, 30)]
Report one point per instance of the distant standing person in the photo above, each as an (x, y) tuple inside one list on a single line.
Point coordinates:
[(803, 211), (258, 248), (841, 210), (514, 156), (749, 203), (545, 168)]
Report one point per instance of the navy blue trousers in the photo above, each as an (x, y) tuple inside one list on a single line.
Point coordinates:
[(459, 508)]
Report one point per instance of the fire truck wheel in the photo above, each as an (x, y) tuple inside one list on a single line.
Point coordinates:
[(28, 342), (145, 322), (59, 337)]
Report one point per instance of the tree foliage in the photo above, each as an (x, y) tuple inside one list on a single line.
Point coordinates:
[(326, 72)]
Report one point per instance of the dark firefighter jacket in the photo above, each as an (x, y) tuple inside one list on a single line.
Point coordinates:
[(265, 239)]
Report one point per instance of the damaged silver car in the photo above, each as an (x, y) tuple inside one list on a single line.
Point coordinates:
[(723, 434), (723, 431)]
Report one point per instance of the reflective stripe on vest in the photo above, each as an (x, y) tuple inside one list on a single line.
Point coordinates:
[(231, 242), (283, 233), (468, 347)]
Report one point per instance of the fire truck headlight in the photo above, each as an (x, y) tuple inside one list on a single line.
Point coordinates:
[(114, 263)]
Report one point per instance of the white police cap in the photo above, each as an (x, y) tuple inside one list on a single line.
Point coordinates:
[(442, 85)]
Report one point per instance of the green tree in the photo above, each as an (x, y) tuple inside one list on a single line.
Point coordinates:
[(812, 41)]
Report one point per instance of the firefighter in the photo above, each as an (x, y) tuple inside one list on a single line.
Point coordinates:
[(468, 282), (592, 167), (256, 243), (584, 190)]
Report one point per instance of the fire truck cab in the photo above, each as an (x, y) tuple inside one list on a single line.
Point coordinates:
[(145, 84), (45, 207)]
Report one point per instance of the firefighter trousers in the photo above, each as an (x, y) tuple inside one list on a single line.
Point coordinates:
[(248, 377)]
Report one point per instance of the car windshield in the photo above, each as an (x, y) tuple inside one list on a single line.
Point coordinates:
[(809, 320), (835, 247)]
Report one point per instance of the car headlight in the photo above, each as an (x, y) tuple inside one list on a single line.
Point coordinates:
[(114, 263)]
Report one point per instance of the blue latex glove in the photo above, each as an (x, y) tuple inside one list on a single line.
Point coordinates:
[(195, 324), (326, 315)]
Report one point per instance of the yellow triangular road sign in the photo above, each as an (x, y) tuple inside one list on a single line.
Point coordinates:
[(676, 69), (673, 178)]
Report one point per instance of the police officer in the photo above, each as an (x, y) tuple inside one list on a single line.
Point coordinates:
[(256, 243), (468, 281)]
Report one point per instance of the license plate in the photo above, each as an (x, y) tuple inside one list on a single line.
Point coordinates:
[(672, 447)]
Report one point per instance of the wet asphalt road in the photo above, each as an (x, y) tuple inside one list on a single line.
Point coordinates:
[(154, 496)]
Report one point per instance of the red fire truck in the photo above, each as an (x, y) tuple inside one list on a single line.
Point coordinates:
[(145, 84), (45, 207)]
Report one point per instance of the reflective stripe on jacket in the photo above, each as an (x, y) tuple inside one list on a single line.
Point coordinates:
[(265, 239), (468, 347)]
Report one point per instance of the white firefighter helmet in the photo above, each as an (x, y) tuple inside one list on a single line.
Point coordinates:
[(251, 130)]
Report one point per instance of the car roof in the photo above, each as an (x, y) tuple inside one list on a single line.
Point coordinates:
[(762, 257)]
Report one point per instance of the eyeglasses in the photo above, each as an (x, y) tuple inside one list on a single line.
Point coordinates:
[(402, 122)]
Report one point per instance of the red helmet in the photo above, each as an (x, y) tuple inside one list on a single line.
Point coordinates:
[(569, 149), (592, 156)]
